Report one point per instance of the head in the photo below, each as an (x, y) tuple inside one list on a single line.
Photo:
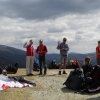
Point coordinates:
[(98, 43), (64, 40), (87, 60), (41, 42), (31, 42)]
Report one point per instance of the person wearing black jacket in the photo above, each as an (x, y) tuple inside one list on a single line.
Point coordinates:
[(41, 51), (87, 66)]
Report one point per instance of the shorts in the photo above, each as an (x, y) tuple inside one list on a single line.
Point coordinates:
[(63, 59)]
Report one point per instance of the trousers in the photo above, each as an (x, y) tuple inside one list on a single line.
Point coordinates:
[(42, 59), (29, 64)]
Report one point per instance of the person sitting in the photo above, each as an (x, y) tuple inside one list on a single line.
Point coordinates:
[(87, 66)]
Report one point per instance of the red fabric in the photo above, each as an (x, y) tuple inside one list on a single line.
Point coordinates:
[(30, 51), (5, 86), (41, 50), (98, 50)]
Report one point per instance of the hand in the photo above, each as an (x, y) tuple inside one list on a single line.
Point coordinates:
[(58, 42), (62, 49), (38, 51), (25, 43), (41, 51)]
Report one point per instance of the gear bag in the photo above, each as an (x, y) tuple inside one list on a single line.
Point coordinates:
[(74, 79)]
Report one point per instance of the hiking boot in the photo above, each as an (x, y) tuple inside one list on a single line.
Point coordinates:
[(40, 74), (64, 72), (59, 73), (44, 74), (30, 74)]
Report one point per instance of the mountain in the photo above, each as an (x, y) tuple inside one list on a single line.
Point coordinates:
[(10, 55)]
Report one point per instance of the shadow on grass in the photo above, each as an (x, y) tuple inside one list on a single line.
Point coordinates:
[(95, 98), (66, 90), (34, 75), (48, 75), (18, 75)]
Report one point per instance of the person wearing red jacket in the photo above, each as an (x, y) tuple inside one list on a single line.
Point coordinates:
[(41, 51), (98, 53), (29, 57)]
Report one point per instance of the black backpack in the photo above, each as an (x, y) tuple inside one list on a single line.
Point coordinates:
[(74, 79), (12, 69)]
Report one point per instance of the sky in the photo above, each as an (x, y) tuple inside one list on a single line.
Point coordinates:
[(51, 20)]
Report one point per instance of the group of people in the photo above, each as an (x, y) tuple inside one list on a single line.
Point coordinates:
[(42, 50)]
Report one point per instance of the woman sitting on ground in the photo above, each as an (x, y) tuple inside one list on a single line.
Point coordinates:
[(87, 66)]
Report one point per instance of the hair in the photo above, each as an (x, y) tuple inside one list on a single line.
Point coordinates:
[(87, 60), (40, 40), (31, 40), (64, 39), (99, 41)]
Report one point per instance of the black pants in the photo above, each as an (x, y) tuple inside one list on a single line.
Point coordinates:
[(98, 61), (42, 59)]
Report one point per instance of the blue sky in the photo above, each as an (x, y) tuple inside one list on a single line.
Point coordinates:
[(50, 20)]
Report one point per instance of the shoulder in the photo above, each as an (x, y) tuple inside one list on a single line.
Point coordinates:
[(97, 47), (32, 46), (44, 45), (62, 43), (82, 66), (38, 46)]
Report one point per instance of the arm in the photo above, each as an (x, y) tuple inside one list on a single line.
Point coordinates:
[(25, 45), (58, 46), (37, 51), (45, 50)]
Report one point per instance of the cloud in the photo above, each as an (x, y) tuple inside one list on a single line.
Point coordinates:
[(50, 20), (46, 9)]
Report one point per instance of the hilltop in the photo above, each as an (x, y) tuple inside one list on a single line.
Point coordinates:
[(48, 87)]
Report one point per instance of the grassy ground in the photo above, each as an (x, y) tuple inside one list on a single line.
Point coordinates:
[(48, 87)]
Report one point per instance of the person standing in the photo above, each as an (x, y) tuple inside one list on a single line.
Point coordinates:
[(63, 47), (41, 51), (29, 57), (98, 53)]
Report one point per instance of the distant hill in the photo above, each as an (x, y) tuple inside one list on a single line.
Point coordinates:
[(73, 56), (10, 55)]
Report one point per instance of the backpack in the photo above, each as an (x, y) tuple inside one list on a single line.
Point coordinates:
[(53, 65), (12, 69), (95, 86), (74, 79), (36, 65), (74, 64)]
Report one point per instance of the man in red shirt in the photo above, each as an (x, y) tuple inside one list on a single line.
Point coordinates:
[(98, 53), (29, 57), (41, 51)]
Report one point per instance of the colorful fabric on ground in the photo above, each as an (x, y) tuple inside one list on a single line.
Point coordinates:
[(6, 82)]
